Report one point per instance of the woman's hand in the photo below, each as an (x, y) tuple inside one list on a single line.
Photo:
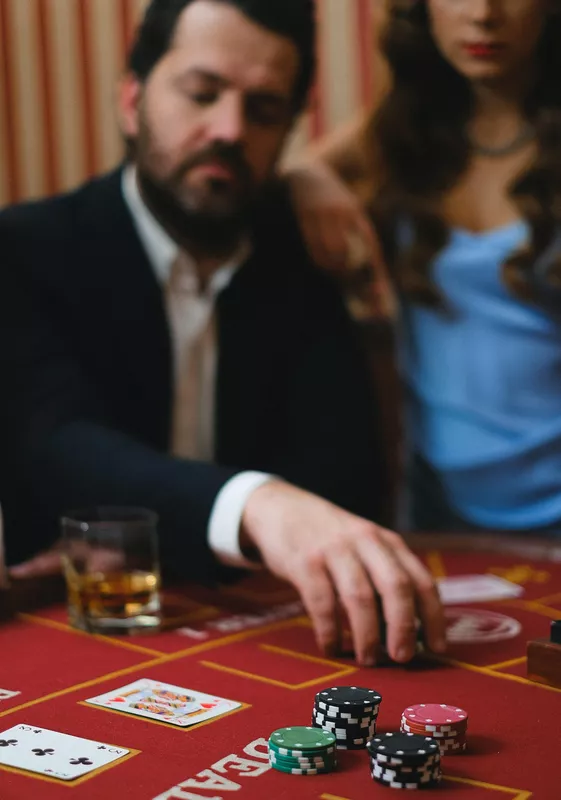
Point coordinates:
[(336, 229)]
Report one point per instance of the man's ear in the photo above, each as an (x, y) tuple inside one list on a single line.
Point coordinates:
[(129, 93)]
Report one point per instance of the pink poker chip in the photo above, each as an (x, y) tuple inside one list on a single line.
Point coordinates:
[(435, 714)]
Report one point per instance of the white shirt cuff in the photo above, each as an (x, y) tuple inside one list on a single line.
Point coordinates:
[(226, 517)]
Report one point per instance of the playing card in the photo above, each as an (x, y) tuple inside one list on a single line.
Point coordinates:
[(476, 589), (56, 755), (165, 703)]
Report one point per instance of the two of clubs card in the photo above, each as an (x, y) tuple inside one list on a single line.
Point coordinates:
[(55, 755), (66, 757)]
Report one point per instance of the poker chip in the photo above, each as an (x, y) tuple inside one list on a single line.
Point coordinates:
[(390, 762), (419, 777), (344, 698), (305, 763), (403, 745), (404, 760), (438, 716), (306, 754), (446, 724), (349, 712), (435, 734), (365, 728), (344, 719), (299, 771), (302, 750), (301, 737), (288, 763)]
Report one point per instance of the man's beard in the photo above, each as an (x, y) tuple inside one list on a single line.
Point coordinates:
[(210, 218)]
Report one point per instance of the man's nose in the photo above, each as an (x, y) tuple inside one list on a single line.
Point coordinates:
[(227, 122)]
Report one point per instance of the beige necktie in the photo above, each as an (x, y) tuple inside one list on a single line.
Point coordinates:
[(193, 336)]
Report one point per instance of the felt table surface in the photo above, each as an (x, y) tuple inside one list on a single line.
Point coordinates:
[(251, 642)]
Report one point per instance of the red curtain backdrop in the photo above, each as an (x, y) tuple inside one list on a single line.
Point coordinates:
[(60, 59)]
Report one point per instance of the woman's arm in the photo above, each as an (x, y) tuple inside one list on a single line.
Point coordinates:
[(325, 182), (342, 150)]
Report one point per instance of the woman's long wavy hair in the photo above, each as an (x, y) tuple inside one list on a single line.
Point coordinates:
[(418, 149)]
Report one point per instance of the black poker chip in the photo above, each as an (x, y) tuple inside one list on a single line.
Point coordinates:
[(343, 724), (362, 735), (405, 774), (348, 712), (406, 746), (348, 698), (392, 784), (351, 745), (416, 762), (342, 735), (346, 717)]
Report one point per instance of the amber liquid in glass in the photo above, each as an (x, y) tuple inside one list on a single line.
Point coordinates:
[(114, 600)]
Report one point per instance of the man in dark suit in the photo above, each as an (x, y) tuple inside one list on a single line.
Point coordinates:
[(166, 342)]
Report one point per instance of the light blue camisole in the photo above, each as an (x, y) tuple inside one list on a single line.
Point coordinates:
[(483, 383)]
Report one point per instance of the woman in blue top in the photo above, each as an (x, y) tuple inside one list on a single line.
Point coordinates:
[(459, 168)]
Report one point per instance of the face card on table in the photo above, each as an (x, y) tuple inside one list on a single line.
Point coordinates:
[(53, 754), (165, 702)]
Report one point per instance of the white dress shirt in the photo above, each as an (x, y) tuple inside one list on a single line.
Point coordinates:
[(190, 312)]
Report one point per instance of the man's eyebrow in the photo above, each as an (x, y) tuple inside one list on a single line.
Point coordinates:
[(270, 95), (205, 74)]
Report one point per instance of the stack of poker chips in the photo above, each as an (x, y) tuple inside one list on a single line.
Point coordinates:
[(349, 713), (405, 761), (447, 724), (302, 750)]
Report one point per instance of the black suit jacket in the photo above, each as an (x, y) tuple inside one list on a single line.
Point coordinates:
[(86, 397)]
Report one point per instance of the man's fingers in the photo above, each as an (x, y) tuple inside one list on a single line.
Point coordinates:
[(398, 598), (318, 596), (356, 594), (428, 601), (48, 563)]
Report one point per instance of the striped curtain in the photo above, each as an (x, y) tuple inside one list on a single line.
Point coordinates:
[(59, 61)]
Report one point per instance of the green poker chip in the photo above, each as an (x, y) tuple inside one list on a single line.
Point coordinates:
[(292, 753), (300, 738), (297, 771), (303, 763)]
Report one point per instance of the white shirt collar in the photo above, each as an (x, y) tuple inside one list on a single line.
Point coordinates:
[(161, 248)]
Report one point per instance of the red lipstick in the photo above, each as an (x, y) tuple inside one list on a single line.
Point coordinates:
[(483, 49)]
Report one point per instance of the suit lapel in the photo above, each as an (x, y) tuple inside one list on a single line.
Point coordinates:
[(125, 290), (250, 360)]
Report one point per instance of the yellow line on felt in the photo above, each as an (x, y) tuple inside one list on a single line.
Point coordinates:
[(504, 664), (78, 781), (549, 598), (332, 797), (435, 563), (532, 605), (164, 659), (505, 676), (61, 626), (76, 687), (237, 637), (272, 648), (272, 681), (519, 794), (168, 725)]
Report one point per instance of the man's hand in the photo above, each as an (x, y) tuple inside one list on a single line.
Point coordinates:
[(334, 557)]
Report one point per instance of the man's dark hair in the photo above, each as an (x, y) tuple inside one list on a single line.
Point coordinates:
[(293, 19)]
